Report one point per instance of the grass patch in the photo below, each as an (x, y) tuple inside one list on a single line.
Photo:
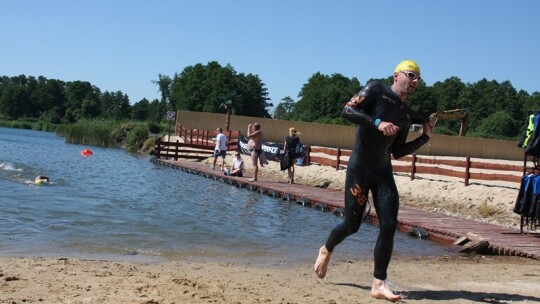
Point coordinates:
[(105, 133), (486, 210), (28, 124)]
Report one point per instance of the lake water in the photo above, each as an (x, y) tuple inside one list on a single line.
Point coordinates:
[(116, 205)]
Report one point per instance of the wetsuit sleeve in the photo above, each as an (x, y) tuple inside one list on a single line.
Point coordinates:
[(354, 110), (400, 148)]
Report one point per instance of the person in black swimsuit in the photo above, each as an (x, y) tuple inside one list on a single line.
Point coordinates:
[(383, 121), (254, 135), (289, 146)]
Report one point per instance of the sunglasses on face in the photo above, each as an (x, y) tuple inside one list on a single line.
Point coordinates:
[(411, 75)]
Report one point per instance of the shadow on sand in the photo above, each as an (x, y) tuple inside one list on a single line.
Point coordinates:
[(449, 295)]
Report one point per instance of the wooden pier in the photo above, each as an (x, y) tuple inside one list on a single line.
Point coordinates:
[(441, 228)]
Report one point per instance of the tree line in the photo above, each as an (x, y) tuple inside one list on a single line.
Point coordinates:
[(497, 110), (205, 88)]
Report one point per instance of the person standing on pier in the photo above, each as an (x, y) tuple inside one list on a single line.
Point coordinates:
[(383, 121), (254, 145), (289, 147), (220, 149)]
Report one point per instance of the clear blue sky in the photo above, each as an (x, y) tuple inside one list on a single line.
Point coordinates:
[(124, 45)]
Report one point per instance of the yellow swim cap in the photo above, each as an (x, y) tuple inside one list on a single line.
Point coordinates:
[(407, 65)]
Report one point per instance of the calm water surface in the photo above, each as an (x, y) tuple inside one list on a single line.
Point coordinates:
[(118, 205)]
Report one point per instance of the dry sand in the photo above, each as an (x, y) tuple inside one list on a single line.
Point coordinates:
[(461, 279)]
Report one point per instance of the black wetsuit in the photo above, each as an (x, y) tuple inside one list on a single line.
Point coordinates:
[(292, 142), (370, 167)]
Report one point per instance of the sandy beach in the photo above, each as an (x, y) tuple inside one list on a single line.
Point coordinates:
[(457, 279)]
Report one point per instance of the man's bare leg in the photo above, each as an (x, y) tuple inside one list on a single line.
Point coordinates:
[(379, 290), (255, 173), (321, 264), (254, 159)]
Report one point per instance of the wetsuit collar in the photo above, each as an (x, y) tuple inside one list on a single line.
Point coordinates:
[(399, 96)]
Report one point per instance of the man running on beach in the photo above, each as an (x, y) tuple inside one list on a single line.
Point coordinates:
[(383, 121)]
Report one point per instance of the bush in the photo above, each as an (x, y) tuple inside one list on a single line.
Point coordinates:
[(89, 132), (154, 128), (443, 130), (498, 125), (148, 146), (136, 137)]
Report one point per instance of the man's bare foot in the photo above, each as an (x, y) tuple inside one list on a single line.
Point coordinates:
[(251, 180), (380, 290), (321, 264)]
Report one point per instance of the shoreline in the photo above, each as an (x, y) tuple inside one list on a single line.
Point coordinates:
[(443, 279)]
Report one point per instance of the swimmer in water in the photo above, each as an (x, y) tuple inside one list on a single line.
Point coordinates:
[(41, 180), (383, 121)]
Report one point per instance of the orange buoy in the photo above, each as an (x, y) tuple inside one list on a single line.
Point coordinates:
[(86, 152)]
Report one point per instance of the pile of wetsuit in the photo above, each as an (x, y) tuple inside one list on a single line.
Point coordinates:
[(528, 201)]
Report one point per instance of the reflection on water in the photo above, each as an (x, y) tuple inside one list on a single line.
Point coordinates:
[(115, 204)]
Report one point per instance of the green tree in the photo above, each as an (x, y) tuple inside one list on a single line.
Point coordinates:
[(90, 108), (284, 109), (447, 93), (324, 96), (164, 83), (252, 96), (53, 115), (51, 94), (114, 105), (484, 98), (14, 101), (141, 110), (155, 113), (531, 103), (76, 93), (498, 125), (423, 100), (204, 88)]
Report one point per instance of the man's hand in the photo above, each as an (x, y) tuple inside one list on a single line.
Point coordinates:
[(388, 128)]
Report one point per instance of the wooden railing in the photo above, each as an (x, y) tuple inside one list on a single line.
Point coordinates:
[(203, 138), (178, 149), (327, 156), (198, 144), (193, 144), (466, 168)]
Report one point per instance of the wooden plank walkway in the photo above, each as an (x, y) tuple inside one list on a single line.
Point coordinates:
[(441, 228)]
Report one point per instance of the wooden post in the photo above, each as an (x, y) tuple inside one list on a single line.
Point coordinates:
[(467, 170), (158, 148), (413, 166), (176, 150), (338, 158), (308, 158)]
